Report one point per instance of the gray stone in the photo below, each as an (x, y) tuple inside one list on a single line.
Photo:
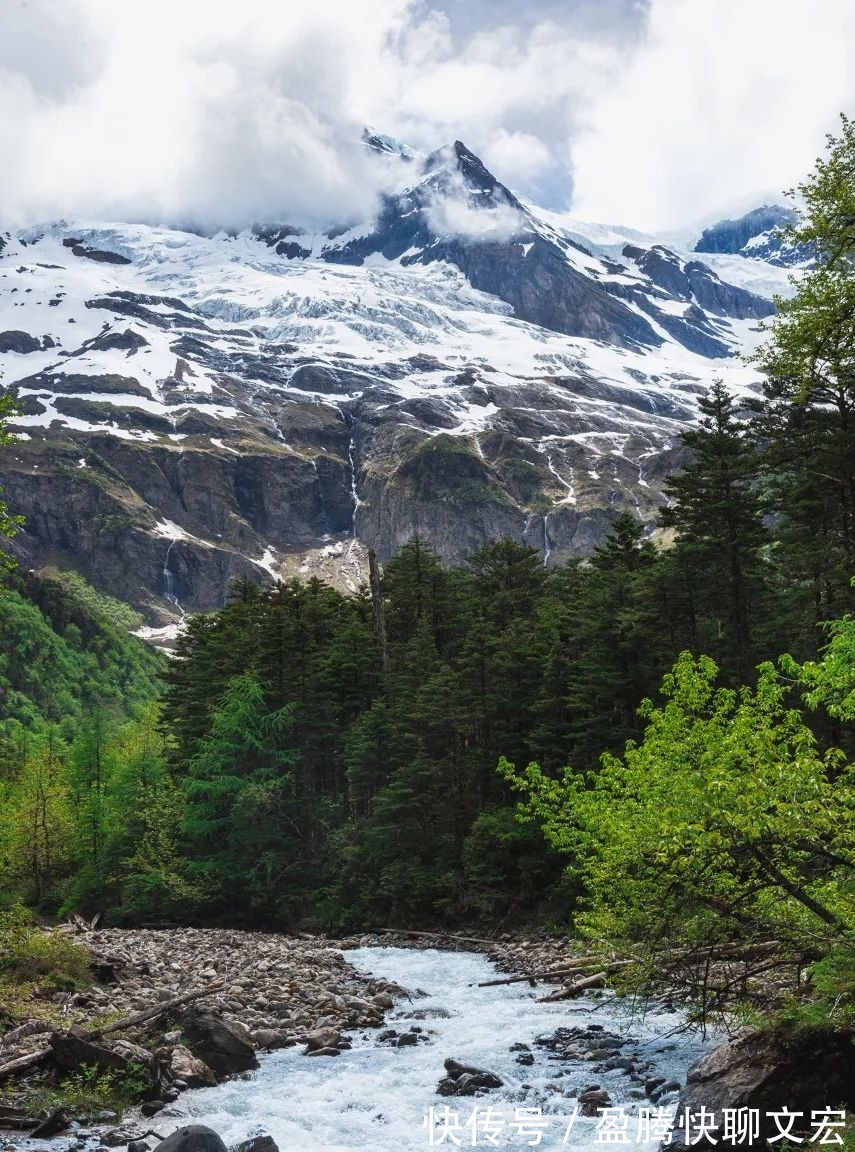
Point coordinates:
[(217, 1043), (193, 1138)]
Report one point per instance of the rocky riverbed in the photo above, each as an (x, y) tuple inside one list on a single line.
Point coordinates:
[(394, 1031), (183, 1008)]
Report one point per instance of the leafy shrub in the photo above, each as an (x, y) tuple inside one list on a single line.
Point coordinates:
[(28, 953)]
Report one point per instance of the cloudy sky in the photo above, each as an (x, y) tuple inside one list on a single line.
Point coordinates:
[(653, 113)]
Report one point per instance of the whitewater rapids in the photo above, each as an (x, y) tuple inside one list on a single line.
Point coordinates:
[(378, 1098)]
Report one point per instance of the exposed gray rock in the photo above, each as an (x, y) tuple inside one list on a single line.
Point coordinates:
[(760, 1072), (216, 1042), (187, 1068), (466, 1080), (323, 1038), (256, 1144), (192, 1138)]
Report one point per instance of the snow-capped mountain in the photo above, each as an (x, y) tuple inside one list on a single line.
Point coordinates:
[(757, 235), (464, 366)]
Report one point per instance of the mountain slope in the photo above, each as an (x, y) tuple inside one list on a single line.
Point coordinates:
[(196, 408)]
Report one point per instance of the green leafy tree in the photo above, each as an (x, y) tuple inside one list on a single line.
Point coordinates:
[(806, 422), (726, 822)]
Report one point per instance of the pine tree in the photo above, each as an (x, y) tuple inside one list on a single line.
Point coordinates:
[(239, 784), (715, 510), (616, 649)]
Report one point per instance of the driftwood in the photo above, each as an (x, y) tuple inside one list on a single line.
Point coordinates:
[(439, 936), (22, 1063), (151, 1013), (598, 980), (34, 1059), (578, 969)]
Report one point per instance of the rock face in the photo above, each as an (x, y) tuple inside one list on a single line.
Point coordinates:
[(194, 409), (754, 234), (757, 1072)]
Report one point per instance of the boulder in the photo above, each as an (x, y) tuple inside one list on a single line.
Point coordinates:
[(28, 1028), (466, 1080), (323, 1052), (71, 1052), (217, 1043), (133, 1053), (323, 1038), (761, 1072), (593, 1100), (256, 1144), (184, 1066), (270, 1038), (193, 1138)]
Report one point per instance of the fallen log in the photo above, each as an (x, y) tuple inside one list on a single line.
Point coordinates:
[(438, 936), (578, 969), (22, 1063), (151, 1013), (598, 980)]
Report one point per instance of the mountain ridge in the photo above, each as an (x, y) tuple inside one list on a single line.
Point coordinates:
[(194, 408)]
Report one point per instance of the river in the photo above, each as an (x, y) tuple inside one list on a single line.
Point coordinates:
[(378, 1098)]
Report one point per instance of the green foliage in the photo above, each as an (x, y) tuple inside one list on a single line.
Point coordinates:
[(27, 953), (806, 422), (110, 610), (90, 1090), (10, 523), (61, 657)]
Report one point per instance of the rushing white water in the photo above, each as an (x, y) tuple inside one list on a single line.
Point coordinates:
[(376, 1098)]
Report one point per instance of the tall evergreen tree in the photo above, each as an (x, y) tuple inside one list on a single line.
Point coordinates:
[(715, 511)]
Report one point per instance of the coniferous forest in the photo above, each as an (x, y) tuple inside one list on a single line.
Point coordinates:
[(310, 759)]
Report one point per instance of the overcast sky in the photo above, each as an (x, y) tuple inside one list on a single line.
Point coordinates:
[(652, 113)]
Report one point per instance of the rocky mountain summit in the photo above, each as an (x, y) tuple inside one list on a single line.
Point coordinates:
[(464, 366)]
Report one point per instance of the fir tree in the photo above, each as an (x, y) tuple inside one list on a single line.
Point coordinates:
[(716, 513)]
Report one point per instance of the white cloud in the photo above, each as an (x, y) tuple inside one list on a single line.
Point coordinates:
[(208, 112), (198, 110), (454, 212), (723, 100)]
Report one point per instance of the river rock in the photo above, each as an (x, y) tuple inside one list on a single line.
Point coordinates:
[(466, 1080), (119, 1137), (758, 1071), (323, 1038), (270, 1038), (323, 1052), (193, 1138), (216, 1042), (256, 1144), (189, 1069), (593, 1100)]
